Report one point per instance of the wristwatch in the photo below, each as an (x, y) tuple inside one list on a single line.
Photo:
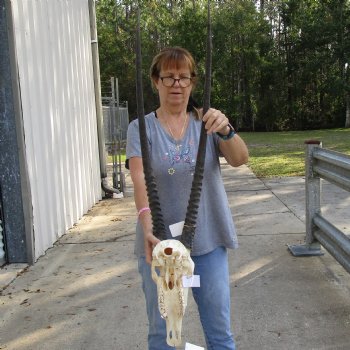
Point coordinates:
[(229, 135)]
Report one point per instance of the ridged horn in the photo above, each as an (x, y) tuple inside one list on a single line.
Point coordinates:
[(152, 193), (193, 203)]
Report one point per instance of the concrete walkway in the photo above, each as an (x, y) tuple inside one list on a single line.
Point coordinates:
[(85, 293)]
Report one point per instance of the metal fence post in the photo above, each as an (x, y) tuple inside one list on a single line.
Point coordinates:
[(313, 205), (312, 191)]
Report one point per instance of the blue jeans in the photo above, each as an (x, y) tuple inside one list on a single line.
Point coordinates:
[(212, 298)]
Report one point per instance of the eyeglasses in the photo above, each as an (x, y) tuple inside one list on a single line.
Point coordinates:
[(170, 81)]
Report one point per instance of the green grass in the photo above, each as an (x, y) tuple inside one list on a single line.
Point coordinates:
[(282, 153), (123, 157)]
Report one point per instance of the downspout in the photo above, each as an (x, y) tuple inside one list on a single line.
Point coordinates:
[(98, 102)]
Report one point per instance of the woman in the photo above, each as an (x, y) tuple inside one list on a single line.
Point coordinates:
[(173, 132)]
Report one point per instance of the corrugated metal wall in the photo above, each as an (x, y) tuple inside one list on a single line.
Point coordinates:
[(56, 82)]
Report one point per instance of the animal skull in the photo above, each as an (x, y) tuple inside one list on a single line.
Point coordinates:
[(170, 262)]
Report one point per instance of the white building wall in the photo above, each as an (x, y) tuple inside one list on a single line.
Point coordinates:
[(56, 83)]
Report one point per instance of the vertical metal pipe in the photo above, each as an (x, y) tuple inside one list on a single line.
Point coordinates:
[(120, 172), (98, 99), (97, 86), (114, 130)]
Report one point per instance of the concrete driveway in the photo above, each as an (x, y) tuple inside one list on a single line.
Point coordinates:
[(85, 292)]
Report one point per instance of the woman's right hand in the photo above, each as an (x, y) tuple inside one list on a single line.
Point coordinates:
[(150, 242)]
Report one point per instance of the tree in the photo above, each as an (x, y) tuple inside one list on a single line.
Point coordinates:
[(277, 65)]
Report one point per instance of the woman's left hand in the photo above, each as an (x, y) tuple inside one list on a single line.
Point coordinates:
[(216, 121)]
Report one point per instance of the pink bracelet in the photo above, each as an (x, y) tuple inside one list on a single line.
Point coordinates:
[(142, 210)]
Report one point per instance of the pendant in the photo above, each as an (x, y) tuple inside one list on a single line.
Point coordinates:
[(171, 171)]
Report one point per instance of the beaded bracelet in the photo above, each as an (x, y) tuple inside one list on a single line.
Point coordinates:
[(143, 210)]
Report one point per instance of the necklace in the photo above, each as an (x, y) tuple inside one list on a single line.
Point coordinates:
[(182, 131)]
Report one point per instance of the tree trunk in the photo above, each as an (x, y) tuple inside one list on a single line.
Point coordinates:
[(347, 114), (262, 3)]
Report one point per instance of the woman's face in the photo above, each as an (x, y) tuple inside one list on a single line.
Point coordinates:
[(174, 93)]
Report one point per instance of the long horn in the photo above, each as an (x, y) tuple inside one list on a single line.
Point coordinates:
[(193, 203), (152, 193)]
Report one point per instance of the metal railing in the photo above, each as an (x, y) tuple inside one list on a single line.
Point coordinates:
[(335, 168)]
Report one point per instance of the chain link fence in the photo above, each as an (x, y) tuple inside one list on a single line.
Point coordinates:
[(116, 121)]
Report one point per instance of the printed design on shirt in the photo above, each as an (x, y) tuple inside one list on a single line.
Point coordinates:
[(179, 154)]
